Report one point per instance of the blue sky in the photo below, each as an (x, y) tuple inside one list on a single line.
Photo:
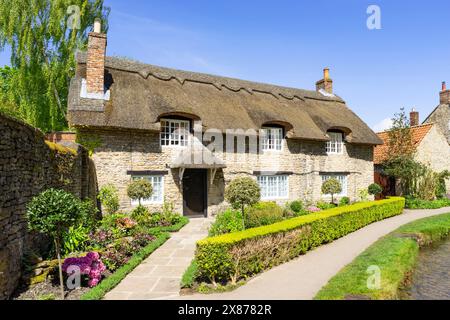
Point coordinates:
[(289, 42)]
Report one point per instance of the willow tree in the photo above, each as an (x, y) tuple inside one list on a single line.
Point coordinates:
[(43, 36)]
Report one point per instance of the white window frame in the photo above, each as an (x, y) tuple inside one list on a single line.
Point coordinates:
[(174, 139), (153, 199), (342, 178), (336, 143), (272, 139), (278, 192)]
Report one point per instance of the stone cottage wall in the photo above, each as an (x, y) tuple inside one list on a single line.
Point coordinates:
[(434, 151), (28, 165), (123, 151)]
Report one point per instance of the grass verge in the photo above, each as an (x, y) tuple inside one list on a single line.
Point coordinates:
[(425, 204), (112, 281), (188, 279), (395, 255)]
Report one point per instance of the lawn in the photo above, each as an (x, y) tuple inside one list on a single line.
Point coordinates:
[(395, 255)]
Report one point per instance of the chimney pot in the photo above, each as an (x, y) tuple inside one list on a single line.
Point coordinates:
[(97, 25), (326, 83), (414, 118), (444, 95)]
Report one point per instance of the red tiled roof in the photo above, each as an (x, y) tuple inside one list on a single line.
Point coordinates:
[(381, 151)]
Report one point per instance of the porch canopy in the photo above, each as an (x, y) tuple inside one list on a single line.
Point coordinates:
[(197, 156)]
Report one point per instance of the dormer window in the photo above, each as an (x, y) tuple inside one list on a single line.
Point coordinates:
[(271, 138), (174, 132), (336, 144)]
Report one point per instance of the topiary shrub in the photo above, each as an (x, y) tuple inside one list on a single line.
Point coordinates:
[(344, 201), (262, 214), (375, 189), (242, 192), (331, 186), (140, 189), (52, 213), (226, 222), (108, 196)]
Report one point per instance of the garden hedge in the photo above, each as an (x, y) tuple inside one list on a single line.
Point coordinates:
[(232, 256)]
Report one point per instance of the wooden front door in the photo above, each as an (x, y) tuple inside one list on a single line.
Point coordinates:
[(195, 192)]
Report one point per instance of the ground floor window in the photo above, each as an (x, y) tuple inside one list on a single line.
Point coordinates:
[(158, 190), (342, 178), (274, 187)]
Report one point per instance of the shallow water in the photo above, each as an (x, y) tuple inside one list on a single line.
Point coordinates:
[(431, 278)]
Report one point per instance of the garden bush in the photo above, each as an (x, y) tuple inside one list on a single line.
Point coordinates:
[(374, 189), (108, 196), (241, 254), (296, 206), (322, 205), (413, 203), (226, 222), (344, 201), (262, 214)]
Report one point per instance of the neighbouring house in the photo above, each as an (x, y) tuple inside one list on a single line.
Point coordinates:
[(441, 114), (431, 148), (190, 134)]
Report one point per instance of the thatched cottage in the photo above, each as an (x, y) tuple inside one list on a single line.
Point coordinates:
[(190, 134)]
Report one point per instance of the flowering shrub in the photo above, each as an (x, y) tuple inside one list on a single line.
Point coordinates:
[(121, 251), (126, 223), (90, 265), (313, 209)]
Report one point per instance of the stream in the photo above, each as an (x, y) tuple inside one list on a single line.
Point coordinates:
[(431, 278)]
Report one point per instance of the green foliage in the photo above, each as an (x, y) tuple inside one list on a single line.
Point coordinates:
[(140, 189), (76, 239), (241, 254), (108, 195), (242, 192), (52, 212), (374, 189), (296, 206), (363, 195), (120, 225), (89, 141), (226, 222), (331, 186), (400, 142), (43, 41), (112, 281), (395, 254), (262, 214), (413, 203), (322, 205), (189, 276), (344, 201)]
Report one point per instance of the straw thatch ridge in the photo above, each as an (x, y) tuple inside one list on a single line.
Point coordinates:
[(140, 94)]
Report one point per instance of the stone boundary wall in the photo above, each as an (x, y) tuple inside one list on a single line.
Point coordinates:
[(28, 166)]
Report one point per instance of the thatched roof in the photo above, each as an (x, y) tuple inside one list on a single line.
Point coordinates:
[(140, 94)]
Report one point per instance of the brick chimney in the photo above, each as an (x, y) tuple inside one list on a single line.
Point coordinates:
[(95, 68), (414, 118), (326, 83), (444, 94)]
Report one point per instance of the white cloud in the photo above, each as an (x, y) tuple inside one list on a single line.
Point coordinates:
[(383, 125)]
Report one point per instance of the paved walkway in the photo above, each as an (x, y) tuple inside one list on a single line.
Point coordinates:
[(158, 277), (303, 277)]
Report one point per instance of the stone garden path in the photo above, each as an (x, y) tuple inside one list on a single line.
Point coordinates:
[(302, 278), (158, 276)]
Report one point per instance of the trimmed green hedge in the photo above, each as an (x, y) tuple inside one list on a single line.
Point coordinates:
[(232, 256), (395, 254)]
